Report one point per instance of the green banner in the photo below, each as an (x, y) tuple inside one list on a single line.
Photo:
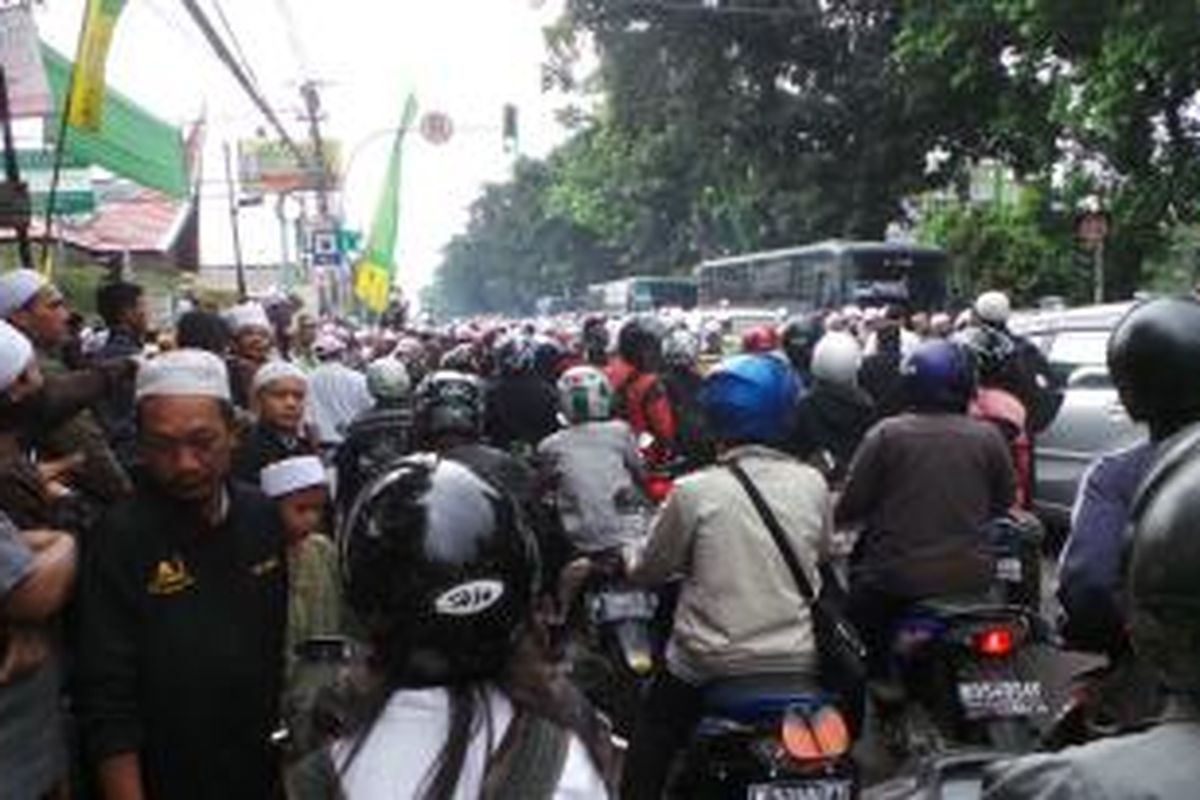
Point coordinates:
[(377, 269), (130, 142)]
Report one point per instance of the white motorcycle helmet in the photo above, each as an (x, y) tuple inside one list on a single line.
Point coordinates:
[(837, 359), (584, 395)]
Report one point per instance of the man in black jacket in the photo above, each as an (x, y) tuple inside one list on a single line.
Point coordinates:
[(182, 607)]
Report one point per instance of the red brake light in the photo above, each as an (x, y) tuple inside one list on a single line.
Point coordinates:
[(995, 642), (658, 487)]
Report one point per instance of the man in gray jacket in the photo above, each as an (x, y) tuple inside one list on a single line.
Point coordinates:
[(740, 612)]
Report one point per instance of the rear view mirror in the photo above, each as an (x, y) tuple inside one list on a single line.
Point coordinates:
[(1090, 377)]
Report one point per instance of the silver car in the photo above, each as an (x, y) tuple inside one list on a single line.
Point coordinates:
[(1092, 420)]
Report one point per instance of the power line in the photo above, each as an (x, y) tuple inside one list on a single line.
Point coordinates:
[(227, 58), (237, 45), (298, 49)]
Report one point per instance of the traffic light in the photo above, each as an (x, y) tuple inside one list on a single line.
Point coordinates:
[(510, 128)]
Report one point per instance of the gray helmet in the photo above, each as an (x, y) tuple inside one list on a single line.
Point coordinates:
[(387, 379), (449, 402)]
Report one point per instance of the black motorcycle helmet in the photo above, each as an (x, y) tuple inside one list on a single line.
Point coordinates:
[(1164, 563), (1153, 355), (799, 337), (448, 403), (640, 342), (992, 347), (440, 569), (515, 355)]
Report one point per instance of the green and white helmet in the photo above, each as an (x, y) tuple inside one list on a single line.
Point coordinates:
[(585, 395)]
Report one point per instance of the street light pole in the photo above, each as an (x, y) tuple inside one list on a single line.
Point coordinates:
[(233, 219)]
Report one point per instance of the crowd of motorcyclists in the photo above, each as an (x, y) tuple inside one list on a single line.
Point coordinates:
[(257, 554)]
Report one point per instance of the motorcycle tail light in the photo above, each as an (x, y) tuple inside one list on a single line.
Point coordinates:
[(818, 735), (995, 642), (658, 487)]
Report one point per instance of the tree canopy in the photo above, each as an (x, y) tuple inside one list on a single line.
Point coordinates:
[(764, 123)]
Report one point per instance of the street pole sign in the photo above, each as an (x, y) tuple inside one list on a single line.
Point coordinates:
[(1092, 230), (437, 127)]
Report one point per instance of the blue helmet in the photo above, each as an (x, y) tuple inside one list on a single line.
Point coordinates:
[(939, 375), (751, 398)]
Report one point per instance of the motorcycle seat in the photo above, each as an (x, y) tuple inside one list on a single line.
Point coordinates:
[(755, 698)]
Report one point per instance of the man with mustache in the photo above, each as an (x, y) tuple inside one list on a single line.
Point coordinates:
[(182, 606)]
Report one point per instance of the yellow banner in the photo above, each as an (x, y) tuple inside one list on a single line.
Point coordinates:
[(372, 285), (85, 107)]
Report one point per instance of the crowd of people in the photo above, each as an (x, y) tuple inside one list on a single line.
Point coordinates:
[(259, 554)]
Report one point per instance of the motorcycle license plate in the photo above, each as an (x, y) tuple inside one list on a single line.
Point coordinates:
[(992, 699), (830, 789), (1009, 570), (625, 605)]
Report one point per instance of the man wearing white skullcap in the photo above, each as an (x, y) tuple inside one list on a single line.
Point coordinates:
[(19, 373), (37, 571), (1026, 373), (337, 393), (183, 608), (253, 336), (35, 307), (277, 398), (299, 487)]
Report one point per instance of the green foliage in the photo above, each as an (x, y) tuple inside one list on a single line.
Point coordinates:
[(792, 121), (1024, 248), (1098, 90)]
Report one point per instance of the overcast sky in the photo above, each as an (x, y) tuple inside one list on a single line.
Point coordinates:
[(464, 57)]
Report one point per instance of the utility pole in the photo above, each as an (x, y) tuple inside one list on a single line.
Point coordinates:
[(233, 219), (14, 194), (312, 103)]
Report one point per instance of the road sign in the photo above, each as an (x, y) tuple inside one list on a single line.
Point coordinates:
[(437, 127), (1092, 228), (323, 246)]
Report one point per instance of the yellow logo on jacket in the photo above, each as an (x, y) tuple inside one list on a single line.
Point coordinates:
[(170, 577)]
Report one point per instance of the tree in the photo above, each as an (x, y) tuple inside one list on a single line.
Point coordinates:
[(1099, 91)]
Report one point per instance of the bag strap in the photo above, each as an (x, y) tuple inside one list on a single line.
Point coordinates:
[(780, 538)]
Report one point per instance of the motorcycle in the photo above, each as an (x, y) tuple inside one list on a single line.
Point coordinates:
[(966, 677), (768, 738)]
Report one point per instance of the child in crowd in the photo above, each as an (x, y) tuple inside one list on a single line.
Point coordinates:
[(299, 486), (277, 394)]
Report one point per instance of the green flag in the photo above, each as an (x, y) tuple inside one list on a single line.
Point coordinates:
[(377, 269)]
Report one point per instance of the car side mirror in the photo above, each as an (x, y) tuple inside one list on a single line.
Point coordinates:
[(1090, 377)]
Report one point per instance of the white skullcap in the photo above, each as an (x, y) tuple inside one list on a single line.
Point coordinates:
[(183, 373), (328, 344), (15, 354), (993, 307), (274, 371), (17, 288), (293, 475), (247, 315)]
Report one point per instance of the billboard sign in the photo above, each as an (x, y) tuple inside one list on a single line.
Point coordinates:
[(269, 165)]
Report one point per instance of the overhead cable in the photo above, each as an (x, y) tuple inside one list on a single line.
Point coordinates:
[(227, 58)]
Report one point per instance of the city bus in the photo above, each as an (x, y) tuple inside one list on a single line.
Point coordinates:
[(642, 293), (827, 275)]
